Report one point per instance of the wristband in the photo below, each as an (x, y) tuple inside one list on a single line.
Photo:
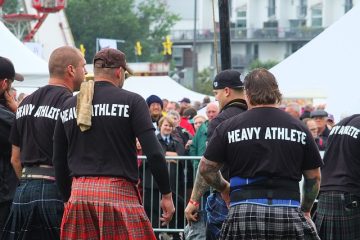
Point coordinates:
[(196, 204)]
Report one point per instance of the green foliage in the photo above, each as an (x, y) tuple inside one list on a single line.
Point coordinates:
[(148, 23), (14, 6), (258, 64), (203, 82), (10, 6)]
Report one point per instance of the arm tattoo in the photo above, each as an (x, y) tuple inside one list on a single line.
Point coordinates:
[(200, 187), (310, 191), (210, 172)]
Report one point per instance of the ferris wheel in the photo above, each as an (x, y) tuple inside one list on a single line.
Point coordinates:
[(20, 21)]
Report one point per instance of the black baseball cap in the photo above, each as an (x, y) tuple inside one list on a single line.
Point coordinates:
[(228, 78), (7, 70), (318, 113), (185, 100)]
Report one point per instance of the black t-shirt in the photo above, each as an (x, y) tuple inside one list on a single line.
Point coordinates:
[(108, 148), (35, 122), (264, 142), (341, 170)]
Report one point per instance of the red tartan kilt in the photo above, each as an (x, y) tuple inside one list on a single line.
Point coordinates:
[(105, 208)]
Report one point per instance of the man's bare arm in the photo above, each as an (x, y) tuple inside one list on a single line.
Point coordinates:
[(210, 171), (310, 188), (200, 187), (15, 160)]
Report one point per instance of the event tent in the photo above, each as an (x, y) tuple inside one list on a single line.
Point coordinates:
[(162, 86), (327, 67), (32, 67)]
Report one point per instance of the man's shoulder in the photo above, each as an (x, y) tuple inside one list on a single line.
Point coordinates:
[(226, 114), (48, 93), (120, 94), (6, 115)]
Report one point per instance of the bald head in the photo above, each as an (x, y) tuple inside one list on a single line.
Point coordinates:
[(212, 110), (61, 58)]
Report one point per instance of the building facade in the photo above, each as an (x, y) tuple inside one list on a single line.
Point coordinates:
[(267, 30)]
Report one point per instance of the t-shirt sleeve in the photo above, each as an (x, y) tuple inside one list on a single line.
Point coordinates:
[(14, 134), (141, 121), (62, 172), (312, 158), (216, 146), (6, 122)]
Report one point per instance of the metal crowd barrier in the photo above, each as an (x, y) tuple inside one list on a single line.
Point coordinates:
[(182, 176), (180, 166)]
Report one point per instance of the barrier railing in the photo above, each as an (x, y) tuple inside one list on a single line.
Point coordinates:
[(182, 176)]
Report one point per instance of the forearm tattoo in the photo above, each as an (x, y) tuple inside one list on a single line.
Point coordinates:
[(310, 191), (213, 177), (200, 187)]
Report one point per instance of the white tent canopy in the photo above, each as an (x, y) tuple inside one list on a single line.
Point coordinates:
[(32, 67), (162, 86), (327, 67)]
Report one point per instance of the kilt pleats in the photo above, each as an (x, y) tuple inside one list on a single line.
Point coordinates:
[(252, 221), (105, 208), (333, 221)]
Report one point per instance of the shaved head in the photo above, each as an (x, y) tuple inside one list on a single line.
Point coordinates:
[(61, 58)]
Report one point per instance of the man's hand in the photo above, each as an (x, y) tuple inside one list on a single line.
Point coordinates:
[(191, 212), (167, 205), (225, 195), (307, 215), (10, 101)]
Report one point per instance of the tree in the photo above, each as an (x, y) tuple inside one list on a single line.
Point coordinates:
[(258, 64), (204, 81), (149, 22), (10, 6)]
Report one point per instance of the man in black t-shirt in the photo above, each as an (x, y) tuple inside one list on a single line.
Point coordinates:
[(37, 206), (102, 197), (267, 152), (228, 90), (338, 211), (8, 179)]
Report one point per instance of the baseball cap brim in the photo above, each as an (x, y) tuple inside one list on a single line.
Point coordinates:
[(19, 77), (129, 70)]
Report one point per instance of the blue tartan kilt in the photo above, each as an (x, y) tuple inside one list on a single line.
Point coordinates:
[(216, 211), (36, 211), (333, 220), (251, 221)]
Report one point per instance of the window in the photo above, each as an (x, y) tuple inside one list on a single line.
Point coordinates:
[(177, 56), (303, 8), (241, 17), (256, 51), (316, 16), (348, 5), (271, 8)]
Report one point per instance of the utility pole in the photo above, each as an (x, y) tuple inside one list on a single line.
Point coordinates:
[(194, 52), (225, 43)]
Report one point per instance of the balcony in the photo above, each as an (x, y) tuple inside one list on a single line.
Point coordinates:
[(249, 35)]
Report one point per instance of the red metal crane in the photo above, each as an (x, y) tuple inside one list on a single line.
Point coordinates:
[(43, 7)]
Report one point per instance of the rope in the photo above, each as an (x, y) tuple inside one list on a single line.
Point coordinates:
[(215, 40)]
